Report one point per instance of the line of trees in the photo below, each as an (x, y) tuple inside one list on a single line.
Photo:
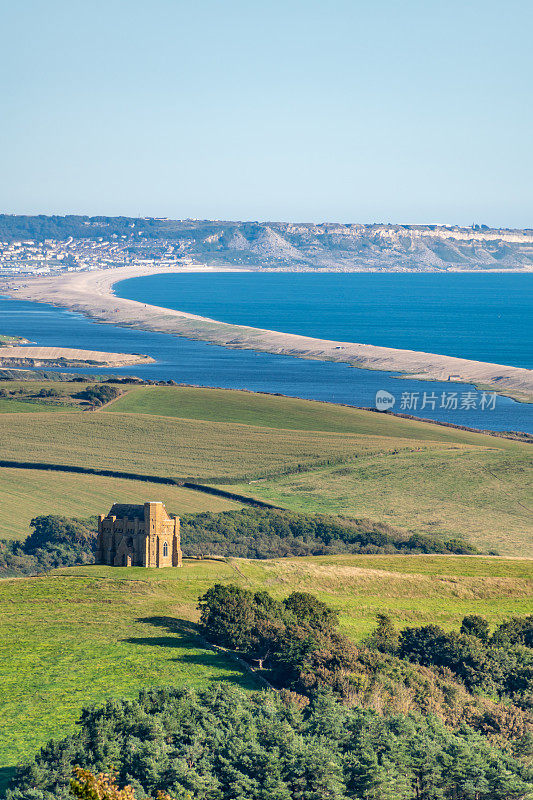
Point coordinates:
[(54, 542), (248, 533), (269, 533)]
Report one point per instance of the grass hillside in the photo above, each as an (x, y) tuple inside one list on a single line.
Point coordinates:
[(167, 447), (483, 496), (23, 395), (419, 477), (271, 411), (83, 634), (29, 493), (10, 405)]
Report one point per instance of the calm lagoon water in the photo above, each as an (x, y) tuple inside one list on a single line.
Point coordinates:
[(202, 364)]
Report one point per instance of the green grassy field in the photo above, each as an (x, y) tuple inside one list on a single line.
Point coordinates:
[(417, 476), (26, 392), (84, 634), (11, 405), (270, 411), (483, 496), (162, 446), (26, 494), (5, 339)]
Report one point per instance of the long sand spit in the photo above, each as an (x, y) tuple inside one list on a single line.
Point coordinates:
[(10, 355), (91, 293)]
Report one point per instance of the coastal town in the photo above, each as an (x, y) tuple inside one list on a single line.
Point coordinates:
[(55, 245), (53, 257)]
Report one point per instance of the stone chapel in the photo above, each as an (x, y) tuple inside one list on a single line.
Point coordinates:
[(138, 536)]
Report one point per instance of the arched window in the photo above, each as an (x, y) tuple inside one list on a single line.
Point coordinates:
[(165, 550)]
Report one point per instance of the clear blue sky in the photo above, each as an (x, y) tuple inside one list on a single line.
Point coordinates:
[(402, 111)]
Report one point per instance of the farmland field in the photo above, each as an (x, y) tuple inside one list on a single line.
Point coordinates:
[(11, 405), (28, 493), (84, 634), (271, 411), (483, 496), (153, 445), (417, 476)]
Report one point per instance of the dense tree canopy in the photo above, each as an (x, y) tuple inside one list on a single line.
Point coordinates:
[(98, 394), (223, 744), (501, 664), (270, 533), (298, 646), (55, 542)]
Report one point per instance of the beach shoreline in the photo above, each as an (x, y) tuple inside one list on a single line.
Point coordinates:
[(91, 293), (29, 357)]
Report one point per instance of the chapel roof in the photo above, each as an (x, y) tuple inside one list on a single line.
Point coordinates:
[(128, 510)]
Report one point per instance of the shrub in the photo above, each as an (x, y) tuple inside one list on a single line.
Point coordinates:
[(517, 630), (98, 394), (474, 625), (385, 638)]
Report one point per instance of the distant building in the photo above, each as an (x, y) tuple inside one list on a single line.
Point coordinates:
[(138, 536)]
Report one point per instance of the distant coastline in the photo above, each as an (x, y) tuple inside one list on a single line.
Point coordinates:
[(52, 242), (91, 293)]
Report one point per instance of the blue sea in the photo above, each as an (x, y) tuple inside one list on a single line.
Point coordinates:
[(486, 317)]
